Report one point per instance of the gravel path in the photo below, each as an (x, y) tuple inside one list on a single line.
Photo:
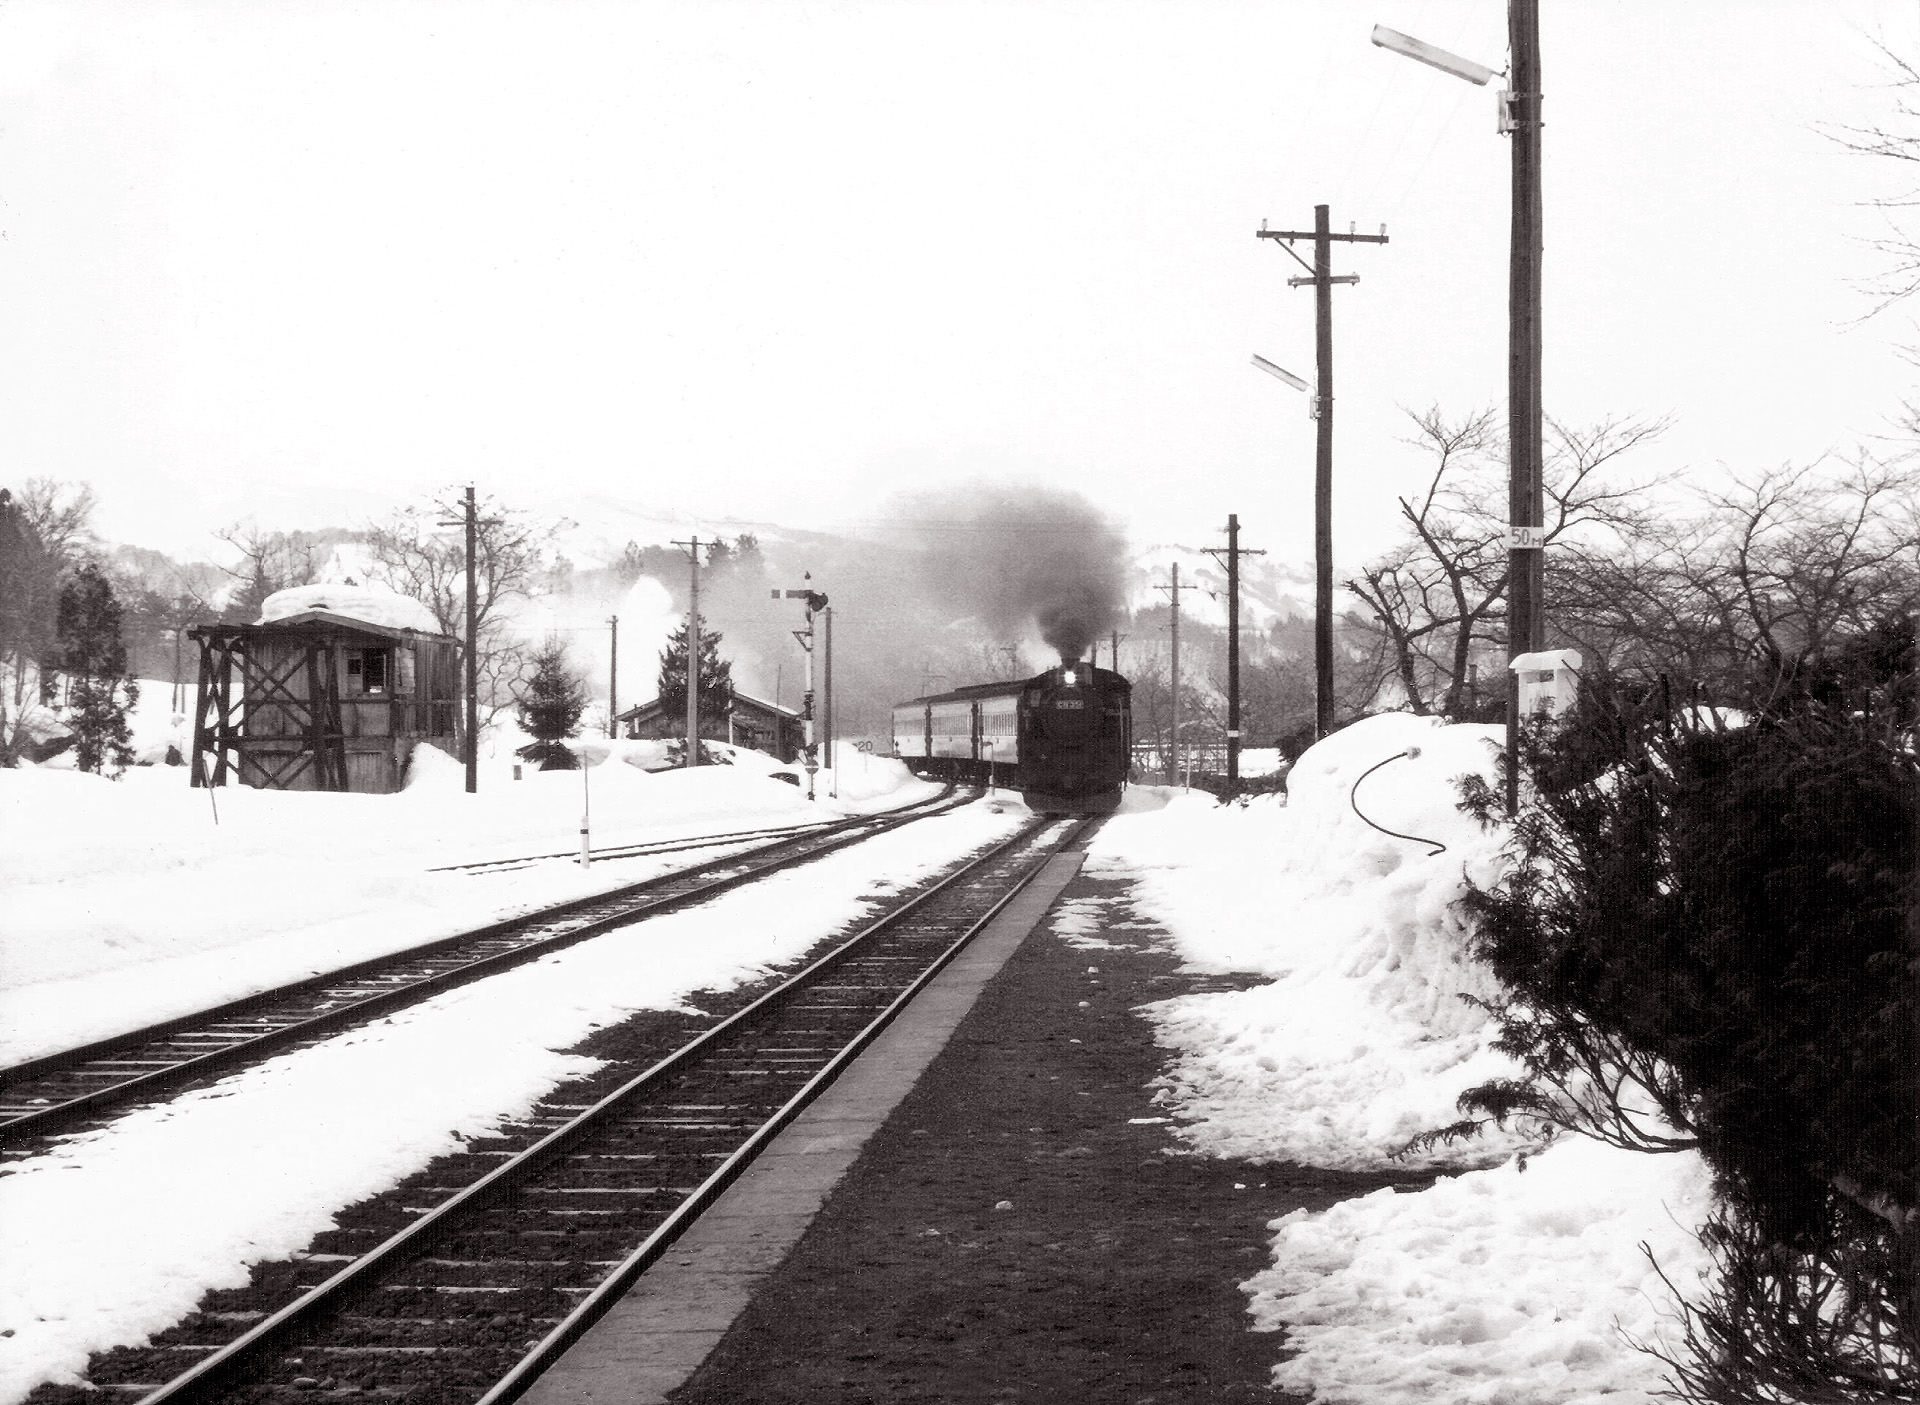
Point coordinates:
[(1113, 1276)]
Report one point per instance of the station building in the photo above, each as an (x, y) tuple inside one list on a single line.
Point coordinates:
[(751, 722)]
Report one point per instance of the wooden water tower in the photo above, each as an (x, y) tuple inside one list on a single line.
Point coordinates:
[(317, 697)]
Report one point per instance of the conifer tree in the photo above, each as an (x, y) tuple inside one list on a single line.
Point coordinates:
[(551, 701), (89, 651), (716, 678)]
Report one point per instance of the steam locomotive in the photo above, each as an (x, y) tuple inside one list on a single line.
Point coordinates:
[(1063, 738)]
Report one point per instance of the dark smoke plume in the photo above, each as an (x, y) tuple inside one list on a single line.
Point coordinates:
[(1015, 556)]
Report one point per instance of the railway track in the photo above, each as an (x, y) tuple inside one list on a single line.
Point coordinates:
[(629, 851), (61, 1092), (463, 1284)]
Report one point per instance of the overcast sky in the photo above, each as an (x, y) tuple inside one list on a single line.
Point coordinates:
[(302, 262)]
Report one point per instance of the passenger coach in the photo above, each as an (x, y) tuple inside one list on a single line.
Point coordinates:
[(1063, 738)]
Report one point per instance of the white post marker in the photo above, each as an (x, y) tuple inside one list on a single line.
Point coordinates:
[(586, 812), (1549, 681)]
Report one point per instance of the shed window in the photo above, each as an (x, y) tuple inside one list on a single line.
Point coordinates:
[(367, 671)]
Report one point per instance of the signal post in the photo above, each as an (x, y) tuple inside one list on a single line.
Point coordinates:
[(816, 603)]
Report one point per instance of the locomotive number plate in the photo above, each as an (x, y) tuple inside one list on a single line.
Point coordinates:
[(1073, 703)]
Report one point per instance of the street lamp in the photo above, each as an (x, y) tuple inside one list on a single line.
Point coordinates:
[(1526, 518), (1432, 55), (1284, 375)]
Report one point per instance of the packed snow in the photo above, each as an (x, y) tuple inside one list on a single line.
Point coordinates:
[(370, 604), (1363, 1037), (1519, 1285), (1517, 1279), (138, 905)]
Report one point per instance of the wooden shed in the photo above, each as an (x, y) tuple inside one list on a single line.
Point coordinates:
[(320, 700), (752, 722)]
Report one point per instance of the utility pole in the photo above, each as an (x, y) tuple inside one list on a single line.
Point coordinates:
[(1526, 545), (473, 646), (826, 694), (469, 518), (1173, 748), (1113, 655), (1322, 278), (1234, 551), (693, 653), (613, 676)]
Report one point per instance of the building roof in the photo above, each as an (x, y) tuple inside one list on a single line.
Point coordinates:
[(321, 622), (652, 706), (367, 604)]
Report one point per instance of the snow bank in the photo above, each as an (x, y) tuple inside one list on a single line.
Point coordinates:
[(860, 775), (1495, 1287), (1362, 1038), (371, 604)]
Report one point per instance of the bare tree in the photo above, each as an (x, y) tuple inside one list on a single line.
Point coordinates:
[(1742, 594), (269, 562), (416, 555), (1437, 592), (1439, 597), (163, 598)]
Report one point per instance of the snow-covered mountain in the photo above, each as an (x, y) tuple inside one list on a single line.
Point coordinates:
[(1270, 589)]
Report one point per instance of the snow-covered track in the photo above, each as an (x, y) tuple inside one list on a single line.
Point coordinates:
[(62, 1091), (631, 851), (469, 1282)]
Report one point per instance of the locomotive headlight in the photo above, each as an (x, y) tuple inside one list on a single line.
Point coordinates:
[(1067, 677)]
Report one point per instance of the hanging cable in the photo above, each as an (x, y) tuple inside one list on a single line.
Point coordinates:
[(1438, 847)]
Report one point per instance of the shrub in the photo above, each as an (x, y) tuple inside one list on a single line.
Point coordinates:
[(1710, 936)]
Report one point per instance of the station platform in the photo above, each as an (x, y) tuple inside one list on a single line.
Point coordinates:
[(988, 1206), (661, 1331)]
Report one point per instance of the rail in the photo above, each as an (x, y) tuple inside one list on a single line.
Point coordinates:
[(613, 1142), (58, 1091)]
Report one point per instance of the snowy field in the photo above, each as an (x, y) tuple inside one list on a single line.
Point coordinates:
[(128, 901), (1512, 1281), (124, 903)]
